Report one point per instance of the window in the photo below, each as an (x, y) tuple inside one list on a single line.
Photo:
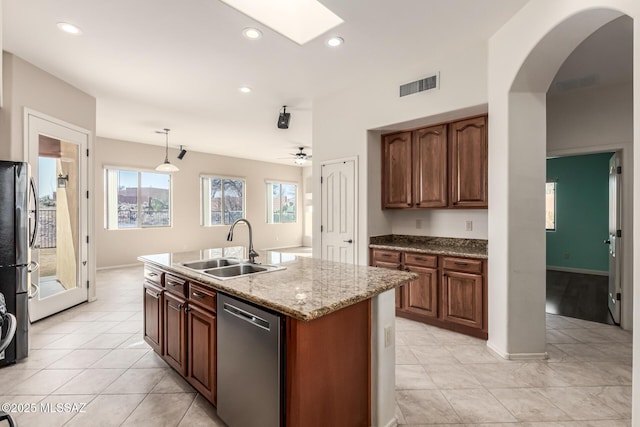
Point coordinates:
[(223, 200), (550, 219), (137, 199), (282, 203)]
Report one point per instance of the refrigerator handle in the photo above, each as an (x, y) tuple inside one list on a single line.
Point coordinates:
[(34, 190)]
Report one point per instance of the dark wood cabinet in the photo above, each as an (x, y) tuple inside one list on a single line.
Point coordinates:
[(201, 342), (396, 171), (450, 292), (469, 161), (421, 295), (430, 167), (462, 298), (175, 328), (153, 316), (441, 166)]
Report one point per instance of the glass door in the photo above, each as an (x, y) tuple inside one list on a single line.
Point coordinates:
[(57, 155)]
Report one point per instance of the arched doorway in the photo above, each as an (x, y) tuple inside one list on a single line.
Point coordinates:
[(524, 56)]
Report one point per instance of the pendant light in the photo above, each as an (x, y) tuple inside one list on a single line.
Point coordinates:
[(166, 166)]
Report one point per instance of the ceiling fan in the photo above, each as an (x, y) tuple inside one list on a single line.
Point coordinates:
[(300, 158)]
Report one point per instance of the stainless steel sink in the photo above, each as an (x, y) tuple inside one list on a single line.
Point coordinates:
[(236, 270), (211, 263), (228, 268)]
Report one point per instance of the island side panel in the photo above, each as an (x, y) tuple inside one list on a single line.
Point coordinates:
[(328, 371)]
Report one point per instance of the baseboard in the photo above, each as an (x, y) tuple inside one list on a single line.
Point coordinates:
[(518, 356), (111, 267), (578, 270)]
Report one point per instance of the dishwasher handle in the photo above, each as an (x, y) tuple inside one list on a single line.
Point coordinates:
[(246, 316)]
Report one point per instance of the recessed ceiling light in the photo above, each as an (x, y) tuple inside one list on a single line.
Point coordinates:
[(245, 89), (252, 33), (335, 41), (69, 28)]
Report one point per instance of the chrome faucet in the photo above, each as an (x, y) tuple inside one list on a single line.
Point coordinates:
[(252, 254)]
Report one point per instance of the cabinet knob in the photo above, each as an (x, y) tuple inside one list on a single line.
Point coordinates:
[(418, 204), (408, 204)]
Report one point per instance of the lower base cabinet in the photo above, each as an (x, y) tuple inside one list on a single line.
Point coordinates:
[(201, 348), (175, 328), (450, 292), (153, 317)]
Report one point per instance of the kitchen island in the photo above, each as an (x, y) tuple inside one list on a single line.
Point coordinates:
[(332, 372)]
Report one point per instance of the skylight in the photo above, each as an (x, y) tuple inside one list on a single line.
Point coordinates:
[(298, 20)]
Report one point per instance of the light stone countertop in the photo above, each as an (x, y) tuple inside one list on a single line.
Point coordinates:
[(474, 248), (307, 289)]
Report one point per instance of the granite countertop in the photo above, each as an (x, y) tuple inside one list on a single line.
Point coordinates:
[(308, 288), (474, 248)]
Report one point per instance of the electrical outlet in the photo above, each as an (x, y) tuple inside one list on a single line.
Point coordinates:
[(468, 225), (418, 224), (388, 336)]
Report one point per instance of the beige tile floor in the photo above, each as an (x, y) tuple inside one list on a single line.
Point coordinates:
[(93, 359)]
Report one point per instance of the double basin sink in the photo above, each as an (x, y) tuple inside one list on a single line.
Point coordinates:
[(229, 268)]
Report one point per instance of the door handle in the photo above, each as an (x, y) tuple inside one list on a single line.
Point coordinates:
[(34, 236), (33, 266), (607, 242), (348, 241)]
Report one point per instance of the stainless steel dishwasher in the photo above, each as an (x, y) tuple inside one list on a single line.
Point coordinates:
[(250, 356)]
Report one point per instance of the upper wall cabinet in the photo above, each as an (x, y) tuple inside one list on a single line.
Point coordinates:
[(396, 171), (469, 163), (443, 166)]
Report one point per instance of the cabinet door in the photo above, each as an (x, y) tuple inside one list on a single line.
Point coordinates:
[(153, 319), (430, 167), (469, 163), (462, 298), (396, 171), (421, 295), (399, 290), (201, 340), (175, 347)]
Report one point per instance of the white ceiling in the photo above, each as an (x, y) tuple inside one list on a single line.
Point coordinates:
[(153, 64)]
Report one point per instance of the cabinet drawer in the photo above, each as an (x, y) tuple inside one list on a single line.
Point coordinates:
[(175, 285), (386, 256), (202, 296), (421, 260), (462, 264), (153, 275)]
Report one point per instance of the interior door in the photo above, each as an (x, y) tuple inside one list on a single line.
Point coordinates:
[(615, 291), (338, 212), (58, 157)]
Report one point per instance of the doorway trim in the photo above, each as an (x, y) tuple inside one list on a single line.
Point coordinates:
[(91, 257), (356, 224)]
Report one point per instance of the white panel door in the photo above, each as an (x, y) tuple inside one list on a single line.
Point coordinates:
[(338, 219), (615, 290)]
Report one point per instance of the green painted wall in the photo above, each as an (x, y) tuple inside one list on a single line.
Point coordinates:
[(582, 212)]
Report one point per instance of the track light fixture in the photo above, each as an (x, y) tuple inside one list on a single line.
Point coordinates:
[(182, 153)]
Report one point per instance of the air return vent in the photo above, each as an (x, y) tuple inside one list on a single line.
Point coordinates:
[(428, 83)]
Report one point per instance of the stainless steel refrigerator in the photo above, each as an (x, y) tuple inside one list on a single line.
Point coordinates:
[(17, 234)]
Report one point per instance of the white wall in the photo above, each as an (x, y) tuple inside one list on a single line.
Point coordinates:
[(122, 247), (593, 120)]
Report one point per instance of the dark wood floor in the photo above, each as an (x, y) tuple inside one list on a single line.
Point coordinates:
[(583, 296)]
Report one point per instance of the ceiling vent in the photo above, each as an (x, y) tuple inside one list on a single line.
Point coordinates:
[(428, 83)]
